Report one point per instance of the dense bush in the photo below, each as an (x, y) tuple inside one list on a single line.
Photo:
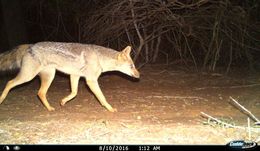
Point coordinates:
[(202, 33)]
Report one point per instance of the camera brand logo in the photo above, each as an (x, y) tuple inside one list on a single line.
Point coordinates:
[(241, 144)]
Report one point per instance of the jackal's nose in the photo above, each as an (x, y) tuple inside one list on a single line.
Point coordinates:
[(136, 74)]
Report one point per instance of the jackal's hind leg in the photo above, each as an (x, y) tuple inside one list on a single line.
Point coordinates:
[(20, 79), (94, 87), (74, 81), (29, 70), (47, 77)]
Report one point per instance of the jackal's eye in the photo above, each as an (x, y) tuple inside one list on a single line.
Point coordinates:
[(132, 66)]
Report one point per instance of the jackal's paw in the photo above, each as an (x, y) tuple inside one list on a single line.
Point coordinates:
[(62, 103), (51, 108), (112, 110)]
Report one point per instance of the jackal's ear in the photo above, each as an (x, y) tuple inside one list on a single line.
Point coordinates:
[(125, 53), (127, 50)]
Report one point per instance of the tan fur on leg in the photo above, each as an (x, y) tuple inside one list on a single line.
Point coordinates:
[(94, 87), (47, 77), (74, 81)]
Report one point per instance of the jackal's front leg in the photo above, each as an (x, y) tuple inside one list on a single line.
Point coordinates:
[(74, 81), (94, 87), (47, 77)]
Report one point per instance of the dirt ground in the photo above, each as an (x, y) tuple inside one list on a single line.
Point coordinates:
[(163, 107)]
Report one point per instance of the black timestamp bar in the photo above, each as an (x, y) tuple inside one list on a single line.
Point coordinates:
[(150, 147), (129, 148)]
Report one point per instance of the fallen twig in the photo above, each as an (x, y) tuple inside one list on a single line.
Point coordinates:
[(249, 128), (244, 110), (177, 97), (229, 87), (227, 124), (221, 122)]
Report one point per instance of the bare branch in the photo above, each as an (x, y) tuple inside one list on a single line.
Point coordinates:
[(244, 110), (220, 122)]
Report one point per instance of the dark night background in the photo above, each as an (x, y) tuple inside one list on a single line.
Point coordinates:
[(191, 33)]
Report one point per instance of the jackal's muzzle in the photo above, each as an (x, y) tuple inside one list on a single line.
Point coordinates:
[(135, 74)]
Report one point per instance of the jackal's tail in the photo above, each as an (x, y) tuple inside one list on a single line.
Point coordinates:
[(12, 59)]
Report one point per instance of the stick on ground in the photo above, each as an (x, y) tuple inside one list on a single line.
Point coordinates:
[(244, 110), (221, 122)]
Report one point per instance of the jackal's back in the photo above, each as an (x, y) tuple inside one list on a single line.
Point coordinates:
[(71, 57), (69, 51)]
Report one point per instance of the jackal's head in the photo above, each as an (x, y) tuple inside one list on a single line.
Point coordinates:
[(125, 63)]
